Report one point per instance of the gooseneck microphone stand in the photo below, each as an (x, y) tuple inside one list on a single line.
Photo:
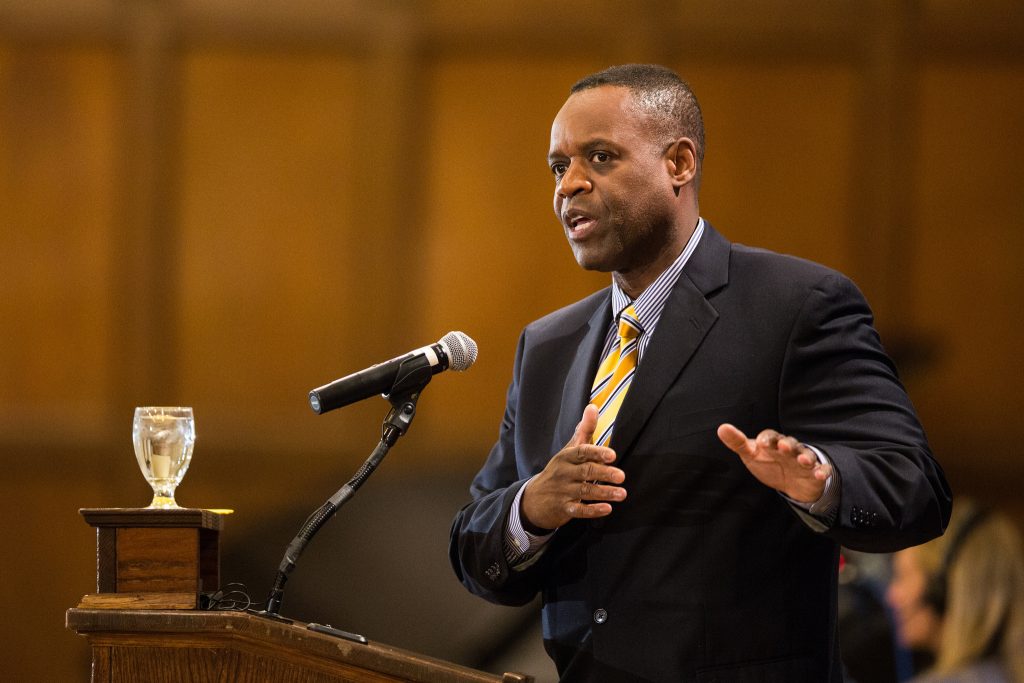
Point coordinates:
[(410, 381)]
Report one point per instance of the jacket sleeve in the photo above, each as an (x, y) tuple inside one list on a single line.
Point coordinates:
[(840, 391), (476, 546)]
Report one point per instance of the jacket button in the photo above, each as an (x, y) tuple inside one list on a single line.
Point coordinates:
[(600, 616)]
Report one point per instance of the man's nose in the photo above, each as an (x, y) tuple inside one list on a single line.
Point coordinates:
[(574, 181)]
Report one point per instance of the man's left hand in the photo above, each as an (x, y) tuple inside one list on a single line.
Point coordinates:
[(780, 462)]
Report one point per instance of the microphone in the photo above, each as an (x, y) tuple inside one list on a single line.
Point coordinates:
[(455, 351)]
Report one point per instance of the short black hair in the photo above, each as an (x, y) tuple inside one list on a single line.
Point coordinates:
[(660, 93)]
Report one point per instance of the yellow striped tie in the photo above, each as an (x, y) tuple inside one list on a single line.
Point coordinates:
[(615, 374)]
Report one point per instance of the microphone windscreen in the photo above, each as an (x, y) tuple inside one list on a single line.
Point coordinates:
[(461, 350)]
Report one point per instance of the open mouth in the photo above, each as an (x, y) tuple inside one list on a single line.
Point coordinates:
[(578, 222)]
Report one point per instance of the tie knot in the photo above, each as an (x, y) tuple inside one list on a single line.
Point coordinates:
[(629, 325)]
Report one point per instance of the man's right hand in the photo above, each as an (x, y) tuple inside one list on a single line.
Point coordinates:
[(579, 472)]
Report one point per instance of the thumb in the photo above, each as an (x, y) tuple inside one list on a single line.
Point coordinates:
[(736, 440), (585, 429)]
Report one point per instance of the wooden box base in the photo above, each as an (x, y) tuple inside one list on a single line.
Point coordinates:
[(154, 559)]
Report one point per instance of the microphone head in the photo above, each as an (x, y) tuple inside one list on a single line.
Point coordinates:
[(461, 350)]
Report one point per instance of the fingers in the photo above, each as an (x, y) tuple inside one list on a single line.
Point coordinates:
[(589, 501), (578, 482), (736, 441), (779, 461), (769, 438), (788, 446), (588, 462), (805, 457), (594, 491), (581, 510), (767, 442), (583, 455), (585, 429), (594, 472), (822, 471), (580, 448), (550, 502)]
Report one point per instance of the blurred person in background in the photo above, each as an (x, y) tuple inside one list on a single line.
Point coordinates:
[(960, 599), (870, 651)]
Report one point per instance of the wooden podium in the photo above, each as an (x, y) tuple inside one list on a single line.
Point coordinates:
[(143, 626)]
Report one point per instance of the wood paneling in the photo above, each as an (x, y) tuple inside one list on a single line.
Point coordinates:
[(59, 192), (274, 272), (969, 214), (780, 155), (296, 191)]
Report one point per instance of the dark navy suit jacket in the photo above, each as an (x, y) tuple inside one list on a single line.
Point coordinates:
[(703, 573)]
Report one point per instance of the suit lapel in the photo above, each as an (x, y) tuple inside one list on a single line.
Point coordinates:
[(685, 321), (576, 391)]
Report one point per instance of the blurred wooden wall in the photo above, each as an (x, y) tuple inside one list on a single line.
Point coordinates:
[(225, 204)]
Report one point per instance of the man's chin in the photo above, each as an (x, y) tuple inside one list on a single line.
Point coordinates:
[(588, 260), (596, 267)]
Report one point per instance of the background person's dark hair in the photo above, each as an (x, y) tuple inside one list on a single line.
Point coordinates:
[(661, 94)]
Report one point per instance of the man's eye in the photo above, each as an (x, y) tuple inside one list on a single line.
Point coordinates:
[(600, 157), (558, 170)]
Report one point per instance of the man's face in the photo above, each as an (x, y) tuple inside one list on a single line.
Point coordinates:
[(613, 193), (917, 623)]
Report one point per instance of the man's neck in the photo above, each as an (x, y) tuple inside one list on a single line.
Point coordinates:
[(634, 281)]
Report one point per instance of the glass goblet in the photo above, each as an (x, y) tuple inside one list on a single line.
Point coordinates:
[(164, 438)]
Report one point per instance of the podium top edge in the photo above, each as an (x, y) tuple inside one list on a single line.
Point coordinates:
[(153, 517), (237, 632)]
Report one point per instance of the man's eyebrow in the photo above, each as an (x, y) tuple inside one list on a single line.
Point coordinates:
[(598, 142), (587, 146)]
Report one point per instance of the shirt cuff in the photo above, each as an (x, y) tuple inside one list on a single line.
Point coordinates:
[(522, 546)]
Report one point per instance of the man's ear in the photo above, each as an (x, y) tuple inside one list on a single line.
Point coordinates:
[(681, 161)]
